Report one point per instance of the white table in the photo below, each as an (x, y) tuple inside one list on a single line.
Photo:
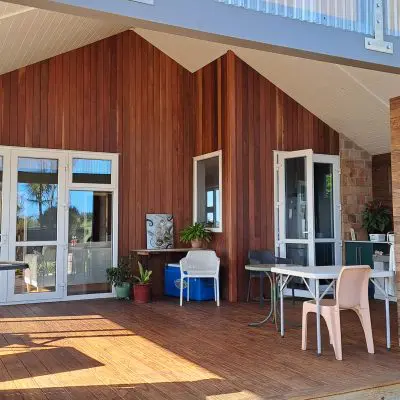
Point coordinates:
[(286, 273)]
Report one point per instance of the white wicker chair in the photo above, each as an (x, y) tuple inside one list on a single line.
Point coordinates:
[(200, 264)]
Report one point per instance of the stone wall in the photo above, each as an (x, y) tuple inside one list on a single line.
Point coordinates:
[(395, 128), (356, 186)]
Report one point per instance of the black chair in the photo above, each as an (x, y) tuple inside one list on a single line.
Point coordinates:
[(259, 257), (263, 257)]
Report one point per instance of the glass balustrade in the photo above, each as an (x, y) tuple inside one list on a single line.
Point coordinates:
[(351, 15)]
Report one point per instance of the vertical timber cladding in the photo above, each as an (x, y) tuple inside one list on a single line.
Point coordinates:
[(120, 95), (253, 119), (395, 130), (123, 95)]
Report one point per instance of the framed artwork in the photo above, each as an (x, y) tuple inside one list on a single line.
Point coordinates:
[(160, 231)]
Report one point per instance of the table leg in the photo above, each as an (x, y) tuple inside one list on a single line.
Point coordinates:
[(276, 292), (261, 290), (271, 313), (281, 299), (317, 300), (387, 312)]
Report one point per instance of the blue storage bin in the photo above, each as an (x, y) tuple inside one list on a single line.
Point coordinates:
[(200, 289)]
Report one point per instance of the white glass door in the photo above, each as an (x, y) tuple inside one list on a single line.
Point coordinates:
[(4, 218), (91, 229), (327, 210), (295, 210), (37, 214), (307, 216)]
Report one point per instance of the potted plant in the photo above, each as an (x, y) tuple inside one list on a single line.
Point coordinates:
[(377, 220), (196, 234), (121, 277), (142, 287)]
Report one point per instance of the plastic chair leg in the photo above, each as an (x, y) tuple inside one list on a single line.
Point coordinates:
[(181, 293), (217, 291), (304, 330), (335, 334), (187, 291), (365, 319)]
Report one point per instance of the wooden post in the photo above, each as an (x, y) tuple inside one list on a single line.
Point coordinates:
[(231, 178), (395, 129)]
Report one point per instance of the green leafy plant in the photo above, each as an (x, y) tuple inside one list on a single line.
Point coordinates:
[(198, 231), (376, 218), (120, 274), (144, 275)]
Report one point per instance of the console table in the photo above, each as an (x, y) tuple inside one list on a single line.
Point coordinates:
[(155, 260)]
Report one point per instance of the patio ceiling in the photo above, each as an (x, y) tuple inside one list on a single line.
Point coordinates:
[(351, 100), (29, 35)]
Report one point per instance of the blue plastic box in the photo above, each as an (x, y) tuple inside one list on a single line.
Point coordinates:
[(200, 289)]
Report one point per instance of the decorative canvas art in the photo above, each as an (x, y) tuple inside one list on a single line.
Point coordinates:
[(160, 231)]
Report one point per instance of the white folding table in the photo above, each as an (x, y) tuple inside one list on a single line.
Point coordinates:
[(316, 274)]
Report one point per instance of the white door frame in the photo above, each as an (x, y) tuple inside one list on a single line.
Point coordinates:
[(111, 188), (8, 241), (5, 218), (59, 242), (280, 206), (337, 208), (280, 157)]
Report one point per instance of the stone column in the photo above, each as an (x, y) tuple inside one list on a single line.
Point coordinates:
[(395, 129)]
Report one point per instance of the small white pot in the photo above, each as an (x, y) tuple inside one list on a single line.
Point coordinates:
[(377, 237)]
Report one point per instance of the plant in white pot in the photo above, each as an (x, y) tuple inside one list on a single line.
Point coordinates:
[(377, 220), (196, 234)]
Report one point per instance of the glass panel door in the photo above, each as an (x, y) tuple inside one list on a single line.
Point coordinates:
[(307, 217), (90, 242), (328, 250), (295, 206), (36, 217)]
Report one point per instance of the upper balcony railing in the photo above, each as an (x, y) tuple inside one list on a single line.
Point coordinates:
[(363, 16)]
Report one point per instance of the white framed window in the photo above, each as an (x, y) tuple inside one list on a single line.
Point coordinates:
[(88, 169), (207, 190)]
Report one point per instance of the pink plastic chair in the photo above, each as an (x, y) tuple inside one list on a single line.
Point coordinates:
[(351, 294)]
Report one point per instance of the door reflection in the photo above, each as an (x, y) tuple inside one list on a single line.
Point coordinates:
[(89, 242)]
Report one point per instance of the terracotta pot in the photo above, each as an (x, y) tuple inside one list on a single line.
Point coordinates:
[(142, 293), (197, 244)]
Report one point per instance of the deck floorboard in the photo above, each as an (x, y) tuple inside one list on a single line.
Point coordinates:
[(109, 349)]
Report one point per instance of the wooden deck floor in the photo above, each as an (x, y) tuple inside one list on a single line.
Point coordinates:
[(107, 349)]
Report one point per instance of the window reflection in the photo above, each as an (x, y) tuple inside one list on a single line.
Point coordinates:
[(296, 198), (208, 192), (323, 201), (90, 242), (41, 275), (91, 171), (37, 198)]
